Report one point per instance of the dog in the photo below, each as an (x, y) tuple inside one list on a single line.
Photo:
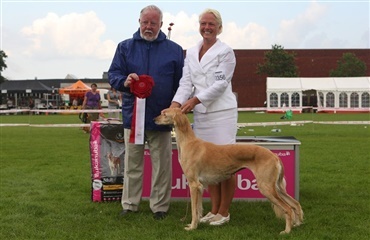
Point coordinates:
[(114, 150), (205, 163), (114, 164)]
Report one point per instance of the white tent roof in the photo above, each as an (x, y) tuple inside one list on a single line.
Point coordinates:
[(323, 84)]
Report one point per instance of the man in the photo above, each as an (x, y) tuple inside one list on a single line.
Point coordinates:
[(148, 52)]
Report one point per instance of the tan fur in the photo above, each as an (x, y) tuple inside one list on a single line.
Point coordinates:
[(205, 163), (114, 164)]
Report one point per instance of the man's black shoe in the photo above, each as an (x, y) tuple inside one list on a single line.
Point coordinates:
[(159, 215), (125, 212)]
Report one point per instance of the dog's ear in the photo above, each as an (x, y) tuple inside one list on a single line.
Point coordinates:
[(175, 117), (180, 119), (163, 112)]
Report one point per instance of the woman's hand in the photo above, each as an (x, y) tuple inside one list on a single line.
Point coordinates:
[(189, 105), (175, 105)]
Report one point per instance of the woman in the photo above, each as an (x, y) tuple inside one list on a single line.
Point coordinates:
[(92, 101), (75, 103), (206, 89), (114, 98)]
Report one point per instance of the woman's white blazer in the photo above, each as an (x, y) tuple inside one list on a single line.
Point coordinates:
[(208, 79)]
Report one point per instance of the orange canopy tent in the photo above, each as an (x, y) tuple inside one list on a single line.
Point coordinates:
[(78, 89)]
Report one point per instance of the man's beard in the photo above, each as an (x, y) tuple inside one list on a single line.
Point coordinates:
[(150, 39)]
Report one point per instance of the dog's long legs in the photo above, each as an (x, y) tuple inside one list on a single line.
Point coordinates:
[(200, 203), (196, 190), (270, 192), (294, 204)]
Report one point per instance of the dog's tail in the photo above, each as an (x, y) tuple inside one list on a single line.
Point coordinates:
[(294, 204), (281, 188)]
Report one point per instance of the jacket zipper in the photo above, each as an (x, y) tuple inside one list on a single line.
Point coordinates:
[(149, 45)]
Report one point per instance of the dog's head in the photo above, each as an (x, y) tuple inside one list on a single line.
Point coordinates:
[(168, 116)]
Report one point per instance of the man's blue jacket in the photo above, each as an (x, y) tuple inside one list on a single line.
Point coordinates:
[(162, 59)]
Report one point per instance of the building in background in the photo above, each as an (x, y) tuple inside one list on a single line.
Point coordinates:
[(250, 88)]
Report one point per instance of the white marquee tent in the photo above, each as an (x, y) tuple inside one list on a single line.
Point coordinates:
[(350, 94)]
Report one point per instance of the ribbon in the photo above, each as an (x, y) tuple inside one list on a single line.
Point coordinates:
[(142, 89)]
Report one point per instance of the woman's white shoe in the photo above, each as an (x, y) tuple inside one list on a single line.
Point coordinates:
[(219, 220), (207, 218)]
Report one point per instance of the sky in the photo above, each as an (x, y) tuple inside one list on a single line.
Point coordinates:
[(56, 39)]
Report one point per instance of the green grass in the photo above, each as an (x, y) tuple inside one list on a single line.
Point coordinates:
[(45, 186)]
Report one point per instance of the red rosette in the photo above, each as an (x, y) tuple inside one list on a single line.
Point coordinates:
[(143, 87)]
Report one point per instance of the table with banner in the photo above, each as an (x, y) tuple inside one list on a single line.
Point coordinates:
[(287, 148), (107, 157)]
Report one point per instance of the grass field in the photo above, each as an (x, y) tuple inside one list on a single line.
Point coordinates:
[(45, 186)]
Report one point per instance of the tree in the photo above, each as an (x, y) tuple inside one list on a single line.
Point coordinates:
[(2, 64), (349, 66), (278, 63)]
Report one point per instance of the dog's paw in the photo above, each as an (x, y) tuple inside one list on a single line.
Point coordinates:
[(284, 232), (297, 223), (189, 227)]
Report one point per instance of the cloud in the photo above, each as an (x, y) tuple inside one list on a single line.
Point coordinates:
[(299, 32), (186, 32), (293, 33), (72, 35), (322, 40), (251, 36)]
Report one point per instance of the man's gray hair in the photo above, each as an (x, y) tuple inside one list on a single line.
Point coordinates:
[(152, 7)]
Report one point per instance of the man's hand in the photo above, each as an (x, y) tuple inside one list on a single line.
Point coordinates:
[(131, 77)]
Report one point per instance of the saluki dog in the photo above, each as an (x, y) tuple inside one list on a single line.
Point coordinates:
[(205, 163)]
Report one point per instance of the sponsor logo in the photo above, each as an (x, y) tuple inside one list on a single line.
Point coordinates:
[(95, 159), (243, 184), (97, 184), (119, 137), (283, 154)]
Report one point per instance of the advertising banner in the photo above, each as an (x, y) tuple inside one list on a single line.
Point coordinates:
[(246, 185)]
